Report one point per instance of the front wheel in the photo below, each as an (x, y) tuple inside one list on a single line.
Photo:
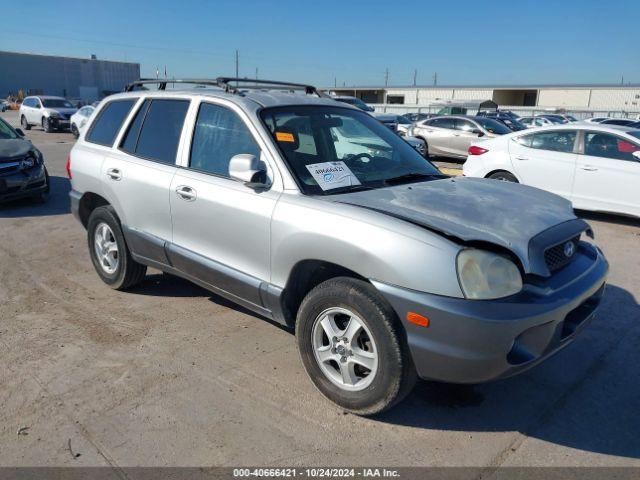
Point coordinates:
[(503, 177), (46, 125), (24, 123), (74, 130), (352, 348), (109, 252)]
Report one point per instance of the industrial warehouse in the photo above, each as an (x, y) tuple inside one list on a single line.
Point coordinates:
[(88, 79)]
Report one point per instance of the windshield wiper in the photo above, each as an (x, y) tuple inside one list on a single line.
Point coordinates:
[(349, 189), (412, 176)]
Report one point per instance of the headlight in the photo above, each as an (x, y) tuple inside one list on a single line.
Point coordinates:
[(54, 114), (486, 275), (27, 162)]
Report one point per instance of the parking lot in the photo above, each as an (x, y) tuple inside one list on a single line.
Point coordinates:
[(169, 374)]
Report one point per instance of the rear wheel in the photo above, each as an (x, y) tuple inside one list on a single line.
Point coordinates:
[(109, 252), (24, 123), (503, 176), (352, 348)]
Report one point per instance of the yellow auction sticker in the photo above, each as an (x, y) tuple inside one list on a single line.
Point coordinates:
[(285, 137)]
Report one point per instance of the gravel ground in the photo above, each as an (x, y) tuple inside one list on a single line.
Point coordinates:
[(169, 374)]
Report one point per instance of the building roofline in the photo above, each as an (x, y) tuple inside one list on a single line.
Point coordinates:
[(68, 57), (490, 87)]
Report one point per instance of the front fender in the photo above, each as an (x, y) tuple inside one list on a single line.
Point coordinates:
[(375, 246)]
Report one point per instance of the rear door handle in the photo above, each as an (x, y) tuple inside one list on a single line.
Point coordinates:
[(186, 193), (114, 174), (521, 158), (589, 168)]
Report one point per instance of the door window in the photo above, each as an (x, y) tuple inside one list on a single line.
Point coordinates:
[(105, 128), (609, 146), (558, 141), (441, 123), (219, 135), (464, 125), (159, 134)]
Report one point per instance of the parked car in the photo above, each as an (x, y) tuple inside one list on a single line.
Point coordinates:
[(79, 119), (622, 122), (532, 122), (554, 118), (22, 170), (4, 105), (596, 167), (596, 119), (52, 113), (568, 118), (386, 268), (450, 136), (397, 123), (510, 119), (356, 102), (417, 117)]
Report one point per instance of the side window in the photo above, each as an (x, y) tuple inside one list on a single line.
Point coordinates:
[(609, 146), (130, 140), (524, 140), (105, 128), (441, 123), (219, 135), (160, 132), (464, 125), (559, 141)]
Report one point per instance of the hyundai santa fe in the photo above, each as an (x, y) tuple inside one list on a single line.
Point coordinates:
[(386, 269)]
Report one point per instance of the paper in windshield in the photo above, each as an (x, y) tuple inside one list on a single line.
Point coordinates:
[(331, 175)]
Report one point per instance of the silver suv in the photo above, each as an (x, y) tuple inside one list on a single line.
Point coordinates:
[(317, 216)]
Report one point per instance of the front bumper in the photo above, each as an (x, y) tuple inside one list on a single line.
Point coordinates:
[(60, 123), (23, 183), (473, 341)]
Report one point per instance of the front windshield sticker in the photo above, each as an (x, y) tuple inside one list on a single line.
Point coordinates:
[(331, 175)]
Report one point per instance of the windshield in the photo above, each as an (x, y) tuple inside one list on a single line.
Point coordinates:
[(56, 103), (6, 132), (333, 150), (635, 133), (492, 126)]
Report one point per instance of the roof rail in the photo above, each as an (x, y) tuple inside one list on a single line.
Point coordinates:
[(224, 82), (162, 82)]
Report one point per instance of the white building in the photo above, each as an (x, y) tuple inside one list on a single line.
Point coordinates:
[(620, 98)]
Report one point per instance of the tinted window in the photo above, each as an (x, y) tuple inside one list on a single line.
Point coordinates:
[(219, 135), (493, 126), (6, 132), (621, 121), (56, 103), (105, 128), (609, 146), (561, 141), (130, 140), (441, 123), (160, 133)]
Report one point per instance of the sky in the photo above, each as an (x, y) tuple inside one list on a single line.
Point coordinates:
[(348, 42)]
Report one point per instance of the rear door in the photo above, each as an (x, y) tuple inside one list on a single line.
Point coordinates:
[(438, 132), (138, 173), (607, 174), (464, 135), (546, 159)]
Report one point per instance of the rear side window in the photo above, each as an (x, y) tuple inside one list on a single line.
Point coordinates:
[(441, 123), (561, 141), (155, 132), (219, 135), (609, 146), (105, 128)]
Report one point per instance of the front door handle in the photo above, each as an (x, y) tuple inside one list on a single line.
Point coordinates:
[(589, 168), (186, 193), (114, 174), (521, 158)]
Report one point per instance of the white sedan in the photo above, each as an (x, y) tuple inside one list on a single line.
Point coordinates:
[(79, 119), (597, 167)]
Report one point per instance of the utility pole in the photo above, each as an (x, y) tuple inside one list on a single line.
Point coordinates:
[(237, 66), (386, 77), (335, 82), (415, 77), (435, 79)]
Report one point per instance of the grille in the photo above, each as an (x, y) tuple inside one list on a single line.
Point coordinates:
[(555, 257), (6, 168)]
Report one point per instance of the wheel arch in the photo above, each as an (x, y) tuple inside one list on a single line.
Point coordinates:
[(88, 203), (500, 170)]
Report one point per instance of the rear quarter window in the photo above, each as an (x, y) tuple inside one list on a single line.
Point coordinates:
[(106, 126)]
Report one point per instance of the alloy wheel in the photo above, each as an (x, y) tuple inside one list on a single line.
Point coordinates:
[(106, 248)]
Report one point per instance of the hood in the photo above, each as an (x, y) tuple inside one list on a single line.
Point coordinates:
[(472, 209), (67, 112), (14, 148)]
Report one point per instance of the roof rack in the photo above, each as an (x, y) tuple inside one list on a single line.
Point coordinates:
[(225, 84)]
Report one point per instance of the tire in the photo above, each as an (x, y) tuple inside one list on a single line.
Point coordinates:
[(426, 148), (46, 125), (123, 272), (503, 176), (379, 336), (24, 123), (74, 130)]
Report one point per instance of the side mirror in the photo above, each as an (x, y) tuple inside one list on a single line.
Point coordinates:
[(636, 154), (478, 132), (248, 169), (19, 132)]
